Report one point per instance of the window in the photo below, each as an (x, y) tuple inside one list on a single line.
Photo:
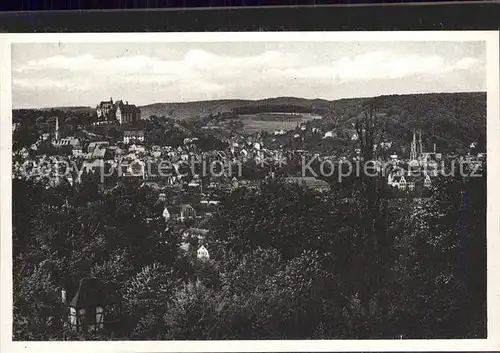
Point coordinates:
[(99, 318), (72, 316), (81, 318)]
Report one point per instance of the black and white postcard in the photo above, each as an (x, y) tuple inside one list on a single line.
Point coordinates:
[(250, 191)]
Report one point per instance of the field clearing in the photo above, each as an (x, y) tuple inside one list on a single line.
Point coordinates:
[(274, 121)]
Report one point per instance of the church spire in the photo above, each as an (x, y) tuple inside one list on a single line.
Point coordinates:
[(57, 129), (420, 145), (413, 150)]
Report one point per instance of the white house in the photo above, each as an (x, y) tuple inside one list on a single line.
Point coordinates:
[(427, 181), (135, 135), (202, 253), (166, 214), (330, 134), (397, 181), (402, 183)]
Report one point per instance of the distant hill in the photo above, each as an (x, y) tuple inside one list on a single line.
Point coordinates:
[(451, 120), (192, 110), (80, 109)]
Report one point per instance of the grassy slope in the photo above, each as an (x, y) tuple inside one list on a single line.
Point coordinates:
[(451, 120)]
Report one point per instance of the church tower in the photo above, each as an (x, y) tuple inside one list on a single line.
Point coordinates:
[(420, 145), (57, 129), (413, 150)]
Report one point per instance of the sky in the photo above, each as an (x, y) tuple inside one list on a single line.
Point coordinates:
[(74, 74)]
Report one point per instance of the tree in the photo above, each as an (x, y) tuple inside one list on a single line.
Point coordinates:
[(145, 296), (373, 241), (288, 217), (440, 244)]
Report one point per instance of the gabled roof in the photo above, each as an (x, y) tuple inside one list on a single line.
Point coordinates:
[(308, 181), (107, 104), (202, 248), (127, 108), (133, 133), (99, 152), (92, 292), (185, 246), (186, 207), (197, 231)]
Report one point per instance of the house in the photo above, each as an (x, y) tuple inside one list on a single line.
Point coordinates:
[(386, 145), (94, 307), (427, 181), (197, 233), (93, 145), (137, 148), (92, 165), (185, 247), (202, 253), (190, 140), (330, 134), (182, 213), (100, 152), (411, 181), (134, 168), (130, 136), (78, 151), (186, 212), (166, 214), (402, 183), (68, 141), (310, 182), (397, 180)]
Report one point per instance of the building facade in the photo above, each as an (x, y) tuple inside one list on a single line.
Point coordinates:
[(130, 136), (125, 113)]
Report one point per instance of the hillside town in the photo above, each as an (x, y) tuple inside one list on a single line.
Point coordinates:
[(191, 200), (206, 174)]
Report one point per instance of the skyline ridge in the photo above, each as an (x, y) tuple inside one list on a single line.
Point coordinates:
[(254, 100)]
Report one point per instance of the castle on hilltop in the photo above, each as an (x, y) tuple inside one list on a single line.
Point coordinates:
[(123, 112)]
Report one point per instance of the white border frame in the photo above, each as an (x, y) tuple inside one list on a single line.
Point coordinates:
[(492, 343)]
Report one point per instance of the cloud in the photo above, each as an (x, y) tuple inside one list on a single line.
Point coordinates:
[(465, 64), (380, 65), (47, 83), (201, 74), (195, 59), (201, 64)]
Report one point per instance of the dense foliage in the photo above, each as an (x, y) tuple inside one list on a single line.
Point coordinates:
[(286, 262)]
